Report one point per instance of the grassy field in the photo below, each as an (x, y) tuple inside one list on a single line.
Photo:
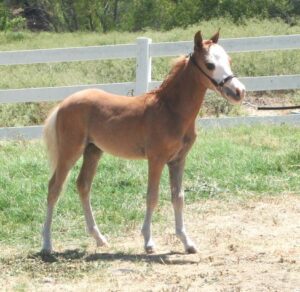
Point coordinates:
[(242, 162), (242, 192), (73, 73)]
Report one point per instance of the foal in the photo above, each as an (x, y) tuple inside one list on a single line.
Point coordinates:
[(158, 126)]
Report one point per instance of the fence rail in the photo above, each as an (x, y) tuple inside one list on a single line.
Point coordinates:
[(261, 83), (67, 54), (250, 44), (35, 132), (143, 51), (58, 93)]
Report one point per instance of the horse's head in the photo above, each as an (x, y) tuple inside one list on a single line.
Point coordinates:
[(214, 63)]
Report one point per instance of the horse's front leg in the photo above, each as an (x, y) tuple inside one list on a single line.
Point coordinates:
[(155, 168), (176, 172)]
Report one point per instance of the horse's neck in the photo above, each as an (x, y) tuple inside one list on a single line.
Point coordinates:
[(185, 94)]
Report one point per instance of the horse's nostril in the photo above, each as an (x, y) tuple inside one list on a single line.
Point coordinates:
[(243, 93), (240, 93)]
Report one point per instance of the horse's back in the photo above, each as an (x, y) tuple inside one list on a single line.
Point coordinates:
[(94, 95)]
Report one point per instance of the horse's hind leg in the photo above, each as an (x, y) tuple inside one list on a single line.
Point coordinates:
[(54, 189), (91, 157), (66, 159)]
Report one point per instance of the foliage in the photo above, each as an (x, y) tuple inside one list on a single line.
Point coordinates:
[(134, 15), (10, 23)]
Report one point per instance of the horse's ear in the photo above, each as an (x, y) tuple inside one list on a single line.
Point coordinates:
[(215, 37), (198, 40)]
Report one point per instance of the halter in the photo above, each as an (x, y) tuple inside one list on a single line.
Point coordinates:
[(218, 85)]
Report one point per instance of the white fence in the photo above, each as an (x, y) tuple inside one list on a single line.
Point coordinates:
[(143, 51)]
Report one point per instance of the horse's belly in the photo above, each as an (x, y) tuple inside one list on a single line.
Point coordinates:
[(119, 134), (122, 149)]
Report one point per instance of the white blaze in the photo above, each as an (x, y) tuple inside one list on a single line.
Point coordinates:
[(221, 60)]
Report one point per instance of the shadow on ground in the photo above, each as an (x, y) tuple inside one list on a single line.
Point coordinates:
[(76, 254)]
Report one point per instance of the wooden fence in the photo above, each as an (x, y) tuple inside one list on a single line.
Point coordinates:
[(143, 50)]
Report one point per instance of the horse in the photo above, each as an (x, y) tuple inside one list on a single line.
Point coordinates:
[(158, 126)]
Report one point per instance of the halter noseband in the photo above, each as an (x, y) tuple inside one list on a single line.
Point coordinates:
[(218, 85)]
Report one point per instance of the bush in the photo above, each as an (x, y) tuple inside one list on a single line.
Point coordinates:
[(10, 23), (134, 15), (16, 24)]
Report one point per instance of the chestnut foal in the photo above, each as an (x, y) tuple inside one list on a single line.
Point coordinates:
[(158, 126)]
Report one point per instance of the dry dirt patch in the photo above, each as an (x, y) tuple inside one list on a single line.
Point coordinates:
[(252, 101), (243, 246)]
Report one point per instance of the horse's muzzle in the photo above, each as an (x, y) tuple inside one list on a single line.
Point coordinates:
[(236, 95)]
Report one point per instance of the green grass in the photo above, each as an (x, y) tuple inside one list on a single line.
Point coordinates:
[(107, 71), (251, 27), (224, 164)]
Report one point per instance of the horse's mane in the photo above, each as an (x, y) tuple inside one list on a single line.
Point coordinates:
[(177, 65)]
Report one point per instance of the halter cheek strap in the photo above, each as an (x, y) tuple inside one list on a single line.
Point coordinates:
[(218, 85)]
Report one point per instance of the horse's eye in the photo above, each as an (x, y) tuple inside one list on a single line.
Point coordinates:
[(210, 66)]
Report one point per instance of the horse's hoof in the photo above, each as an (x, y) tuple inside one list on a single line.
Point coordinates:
[(46, 251), (191, 250), (149, 249), (102, 243)]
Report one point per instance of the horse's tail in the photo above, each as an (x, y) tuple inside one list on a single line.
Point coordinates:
[(50, 138)]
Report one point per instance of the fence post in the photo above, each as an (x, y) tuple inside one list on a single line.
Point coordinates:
[(143, 65)]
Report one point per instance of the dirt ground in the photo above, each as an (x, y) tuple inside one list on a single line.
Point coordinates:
[(251, 245), (251, 103)]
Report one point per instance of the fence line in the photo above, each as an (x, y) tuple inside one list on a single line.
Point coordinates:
[(143, 51), (68, 54), (249, 44), (261, 83), (43, 94), (58, 93), (236, 45), (35, 132)]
